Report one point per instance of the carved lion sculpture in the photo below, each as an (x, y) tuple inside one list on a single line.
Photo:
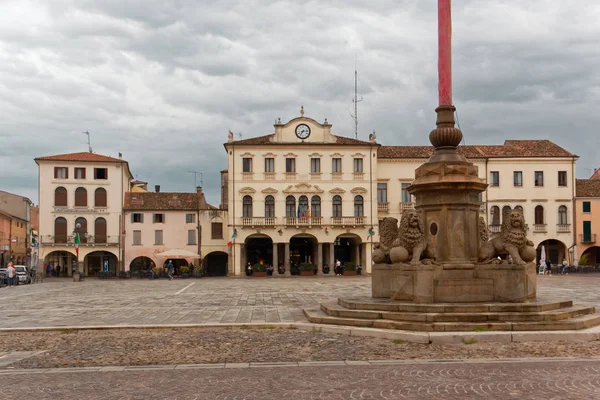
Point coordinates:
[(388, 234), (412, 242), (484, 235), (512, 241)]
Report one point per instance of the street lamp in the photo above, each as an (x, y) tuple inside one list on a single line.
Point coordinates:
[(77, 240)]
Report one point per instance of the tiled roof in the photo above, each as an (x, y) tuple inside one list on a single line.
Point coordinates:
[(160, 201), (83, 156), (596, 174), (266, 139), (511, 148), (587, 188)]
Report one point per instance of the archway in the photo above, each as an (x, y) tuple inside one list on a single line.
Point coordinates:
[(63, 259), (215, 264), (303, 249), (177, 264), (555, 250), (259, 248), (100, 261), (347, 248), (141, 264), (591, 256)]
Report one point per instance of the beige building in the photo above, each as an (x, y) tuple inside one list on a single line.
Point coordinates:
[(82, 193), (159, 221), (15, 241), (587, 215), (300, 195)]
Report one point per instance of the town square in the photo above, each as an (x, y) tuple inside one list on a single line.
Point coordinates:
[(188, 208)]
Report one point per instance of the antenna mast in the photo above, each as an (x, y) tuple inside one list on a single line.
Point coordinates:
[(356, 100), (89, 141)]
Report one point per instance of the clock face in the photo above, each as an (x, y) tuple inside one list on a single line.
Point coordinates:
[(302, 131)]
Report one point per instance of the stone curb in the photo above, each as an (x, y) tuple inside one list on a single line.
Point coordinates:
[(585, 335), (347, 363)]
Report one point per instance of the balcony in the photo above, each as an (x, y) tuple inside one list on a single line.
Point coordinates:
[(348, 221), (315, 176), (407, 206), (269, 176), (587, 239), (336, 176), (563, 228), (246, 176), (359, 176), (303, 221), (383, 207), (539, 228), (68, 240), (290, 176), (495, 228), (258, 221)]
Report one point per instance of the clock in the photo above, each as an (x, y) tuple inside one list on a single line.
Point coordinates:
[(302, 131)]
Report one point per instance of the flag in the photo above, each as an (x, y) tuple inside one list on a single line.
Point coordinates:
[(308, 212), (77, 241), (371, 233), (230, 243)]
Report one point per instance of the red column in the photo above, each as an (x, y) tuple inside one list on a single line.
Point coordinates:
[(444, 52)]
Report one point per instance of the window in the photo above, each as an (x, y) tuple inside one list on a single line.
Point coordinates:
[(158, 218), (505, 212), (587, 207), (137, 238), (562, 178), (337, 207), (539, 178), (100, 198), (539, 215), (315, 165), (60, 197), (61, 172), (190, 218), (158, 237), (358, 206), (405, 195), (290, 165), (191, 236), (246, 165), (100, 230), (137, 218), (290, 206), (80, 197), (382, 193), (100, 173), (518, 178), (60, 230), (269, 165), (269, 207), (336, 165), (587, 231), (81, 229), (216, 231), (519, 208), (494, 178), (495, 215), (247, 207), (358, 165), (562, 215), (79, 173), (303, 207), (315, 207)]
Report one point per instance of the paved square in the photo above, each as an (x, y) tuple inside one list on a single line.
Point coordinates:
[(61, 302)]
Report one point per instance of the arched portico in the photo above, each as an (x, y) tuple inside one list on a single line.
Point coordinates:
[(591, 256), (215, 263), (348, 247), (259, 248), (100, 261), (63, 258), (555, 251), (303, 250), (141, 263)]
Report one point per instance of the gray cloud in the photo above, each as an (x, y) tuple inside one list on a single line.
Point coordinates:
[(163, 81)]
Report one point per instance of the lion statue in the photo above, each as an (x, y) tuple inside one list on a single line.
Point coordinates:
[(484, 235), (512, 242), (412, 242), (388, 233)]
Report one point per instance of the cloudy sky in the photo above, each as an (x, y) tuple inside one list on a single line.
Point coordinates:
[(162, 81)]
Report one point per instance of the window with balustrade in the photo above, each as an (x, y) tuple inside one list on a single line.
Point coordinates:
[(358, 206), (336, 165), (382, 193), (539, 215), (247, 164), (247, 207), (506, 213), (562, 215), (337, 207), (315, 207), (290, 165), (358, 165), (269, 165), (405, 195), (81, 229), (495, 215), (302, 207), (290, 206), (315, 165), (269, 207)]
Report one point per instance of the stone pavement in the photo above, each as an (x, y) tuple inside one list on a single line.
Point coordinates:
[(499, 379), (61, 302)]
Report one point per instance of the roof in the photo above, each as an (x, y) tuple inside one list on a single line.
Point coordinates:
[(587, 188), (510, 149), (596, 174), (167, 201), (266, 139), (83, 156)]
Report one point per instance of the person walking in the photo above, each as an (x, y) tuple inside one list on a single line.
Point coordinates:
[(338, 267), (565, 267), (170, 270), (11, 272), (150, 272), (548, 267)]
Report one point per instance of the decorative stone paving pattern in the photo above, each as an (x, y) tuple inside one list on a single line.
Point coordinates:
[(527, 380)]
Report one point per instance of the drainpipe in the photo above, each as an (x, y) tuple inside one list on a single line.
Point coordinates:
[(574, 207), (372, 205), (232, 205)]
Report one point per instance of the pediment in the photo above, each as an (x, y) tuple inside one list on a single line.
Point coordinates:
[(336, 155), (337, 190), (358, 190), (269, 190), (302, 188), (315, 155), (247, 190), (247, 155), (269, 155), (358, 155), (289, 155)]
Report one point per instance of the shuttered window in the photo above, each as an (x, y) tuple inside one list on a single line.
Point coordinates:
[(217, 230), (80, 197), (60, 197), (100, 197)]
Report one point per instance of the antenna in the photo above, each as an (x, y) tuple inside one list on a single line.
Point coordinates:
[(89, 140), (356, 100), (239, 134)]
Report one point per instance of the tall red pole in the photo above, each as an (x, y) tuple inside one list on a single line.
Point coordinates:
[(444, 52)]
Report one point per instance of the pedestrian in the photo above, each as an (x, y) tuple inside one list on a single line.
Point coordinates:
[(249, 270), (338, 267), (565, 267), (150, 271), (170, 270), (548, 267), (10, 270), (58, 270), (49, 269), (192, 269)]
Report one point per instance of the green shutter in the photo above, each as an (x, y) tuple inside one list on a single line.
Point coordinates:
[(587, 231), (587, 206)]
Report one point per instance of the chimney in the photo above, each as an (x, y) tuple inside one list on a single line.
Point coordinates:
[(202, 204), (120, 156), (157, 188)]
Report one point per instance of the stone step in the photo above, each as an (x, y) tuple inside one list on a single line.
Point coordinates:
[(336, 310), (398, 306), (581, 322)]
